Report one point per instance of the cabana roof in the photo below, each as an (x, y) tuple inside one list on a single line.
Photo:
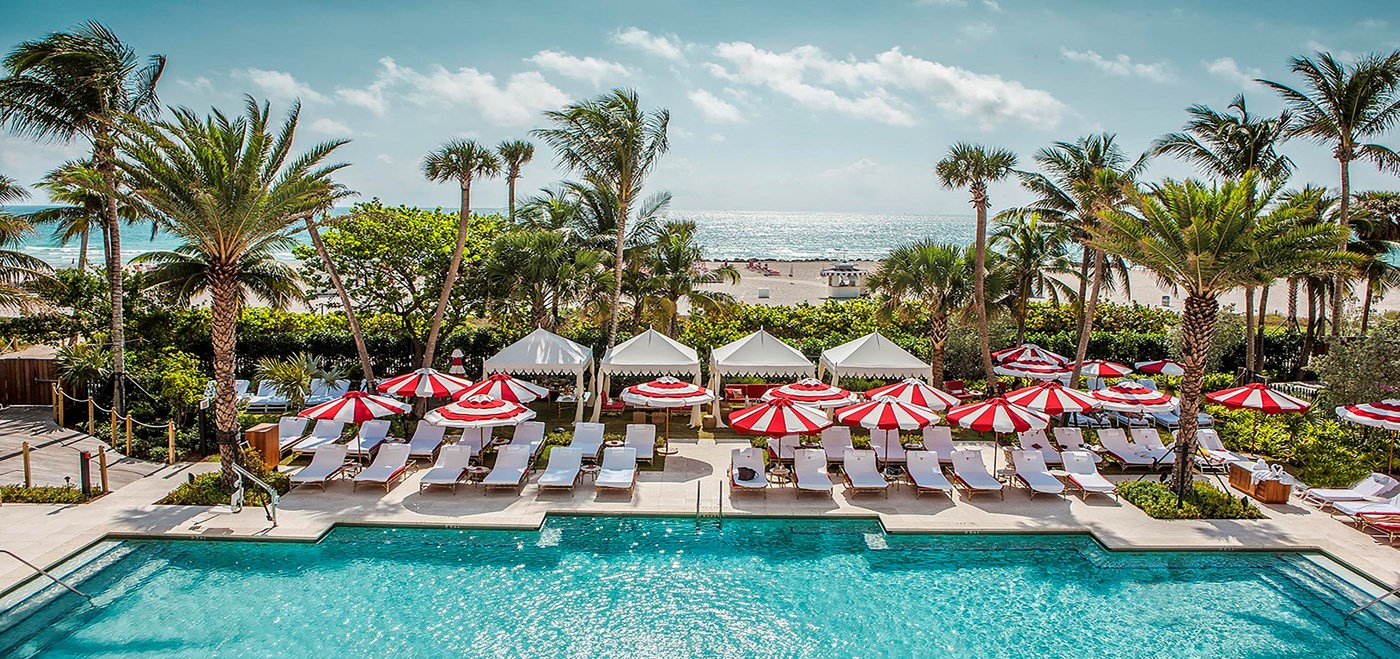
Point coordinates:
[(650, 353), (541, 352), (760, 355), (873, 356)]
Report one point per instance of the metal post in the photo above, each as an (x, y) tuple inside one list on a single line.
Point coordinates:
[(24, 450), (128, 433), (170, 453), (85, 473), (102, 467)]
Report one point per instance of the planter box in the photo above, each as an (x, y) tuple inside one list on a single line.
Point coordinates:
[(1263, 491)]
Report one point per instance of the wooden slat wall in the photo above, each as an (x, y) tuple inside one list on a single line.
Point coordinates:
[(26, 381)]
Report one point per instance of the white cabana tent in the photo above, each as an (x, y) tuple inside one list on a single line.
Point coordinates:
[(648, 353), (757, 355), (872, 356), (542, 352)]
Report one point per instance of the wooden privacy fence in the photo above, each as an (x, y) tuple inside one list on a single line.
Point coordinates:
[(27, 376), (57, 395)]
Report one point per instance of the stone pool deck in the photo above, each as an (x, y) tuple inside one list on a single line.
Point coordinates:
[(46, 534)]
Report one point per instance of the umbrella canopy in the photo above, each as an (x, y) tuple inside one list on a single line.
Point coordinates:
[(916, 392), (1382, 414), (1161, 367), (1038, 369), (479, 412), (456, 367), (811, 391), (505, 387), (997, 415), (1133, 397), (1052, 398), (1259, 397), (1101, 368), (355, 407), (1028, 351), (886, 413), (666, 392), (424, 383), (779, 417)]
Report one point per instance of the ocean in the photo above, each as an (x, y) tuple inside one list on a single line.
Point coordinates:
[(726, 235)]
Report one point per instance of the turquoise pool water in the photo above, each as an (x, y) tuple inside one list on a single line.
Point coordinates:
[(670, 587)]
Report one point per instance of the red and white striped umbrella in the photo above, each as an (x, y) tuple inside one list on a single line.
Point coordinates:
[(779, 417), (1028, 351), (479, 412), (812, 392), (505, 387), (1038, 369), (1132, 397), (917, 392), (424, 383), (1052, 398), (1101, 368), (886, 413), (1161, 367), (997, 415), (666, 392), (355, 407), (456, 367), (1381, 414), (1259, 397)]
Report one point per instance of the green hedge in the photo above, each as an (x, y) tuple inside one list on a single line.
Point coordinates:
[(1202, 502), (41, 494), (208, 489)]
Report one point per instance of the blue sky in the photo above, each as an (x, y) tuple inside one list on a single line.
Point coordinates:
[(822, 106)]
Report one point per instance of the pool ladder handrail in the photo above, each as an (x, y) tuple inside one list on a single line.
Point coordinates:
[(44, 572), (1377, 600), (236, 501)]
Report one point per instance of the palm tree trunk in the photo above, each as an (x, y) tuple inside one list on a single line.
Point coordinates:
[(83, 249), (1259, 334), (105, 159), (224, 336), (938, 341), (510, 192), (1084, 265), (979, 283), (1309, 335), (1022, 308), (1249, 328), (1366, 308), (1086, 326), (617, 269), (1197, 333), (1344, 216), (456, 265), (351, 318), (1292, 303)]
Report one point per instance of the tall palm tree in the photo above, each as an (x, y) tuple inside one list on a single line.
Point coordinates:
[(77, 188), (462, 161), (1223, 146), (1209, 240), (671, 266), (185, 274), (1034, 261), (1377, 240), (973, 167), (514, 154), (541, 269), (1081, 180), (1343, 106), (352, 319), (937, 275), (82, 84), (613, 144), (230, 190), (11, 192)]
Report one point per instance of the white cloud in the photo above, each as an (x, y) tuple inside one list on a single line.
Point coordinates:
[(1122, 65), (517, 100), (1341, 55), (280, 85), (200, 84), (978, 30), (664, 46), (714, 108), (1229, 69), (859, 168), (372, 97), (992, 6), (807, 75), (330, 127), (592, 69)]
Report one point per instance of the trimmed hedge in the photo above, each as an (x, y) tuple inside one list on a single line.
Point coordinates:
[(1202, 502), (41, 494)]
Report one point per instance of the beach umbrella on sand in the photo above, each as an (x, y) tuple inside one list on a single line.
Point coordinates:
[(456, 367), (1260, 398), (424, 383), (917, 392), (997, 415), (480, 412), (1028, 351), (505, 387), (1161, 367), (355, 407), (887, 413), (1052, 398), (1035, 369), (1382, 414), (779, 417), (1101, 368), (1131, 397), (814, 392), (663, 393)]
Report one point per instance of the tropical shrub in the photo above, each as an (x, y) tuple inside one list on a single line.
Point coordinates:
[(1202, 502), (41, 494), (1362, 370), (209, 490)]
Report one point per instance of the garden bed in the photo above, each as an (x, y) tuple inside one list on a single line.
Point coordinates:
[(1202, 502), (41, 494)]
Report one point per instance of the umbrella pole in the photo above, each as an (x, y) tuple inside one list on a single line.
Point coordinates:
[(666, 442), (1254, 434)]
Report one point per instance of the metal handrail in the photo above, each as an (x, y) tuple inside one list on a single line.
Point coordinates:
[(236, 501), (44, 572), (1363, 607)]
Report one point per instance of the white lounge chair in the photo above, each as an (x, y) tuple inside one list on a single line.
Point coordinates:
[(326, 463), (425, 440), (290, 430), (390, 464), (642, 437), (782, 449), (1376, 506), (861, 473), (588, 439), (939, 440), (1085, 477), (809, 471), (1072, 439), (1213, 450), (267, 397), (1115, 442), (477, 438), (323, 433), (1371, 488), (452, 462), (926, 473), (240, 389), (512, 465), (887, 446), (322, 391), (1035, 440), (835, 441), (1030, 469), (529, 434), (751, 458), (971, 473), (619, 470), (1150, 440), (562, 471), (372, 434)]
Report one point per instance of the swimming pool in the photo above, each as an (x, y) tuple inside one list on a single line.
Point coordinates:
[(672, 587)]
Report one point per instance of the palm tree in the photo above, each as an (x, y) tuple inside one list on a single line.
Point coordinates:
[(185, 275), (1377, 240), (351, 318), (514, 154), (1224, 146), (671, 264), (77, 187), (292, 377), (1083, 179), (1342, 106), (82, 85), (11, 192), (613, 144), (18, 270), (462, 161), (231, 191), (1209, 240), (937, 275), (1034, 261), (542, 269)]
